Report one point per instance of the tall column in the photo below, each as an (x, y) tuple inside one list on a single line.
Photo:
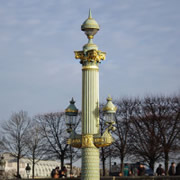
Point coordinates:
[(90, 121), (90, 140), (90, 98), (90, 58)]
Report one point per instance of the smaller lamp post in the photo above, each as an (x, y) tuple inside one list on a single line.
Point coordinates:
[(71, 113), (28, 169), (109, 112), (2, 166)]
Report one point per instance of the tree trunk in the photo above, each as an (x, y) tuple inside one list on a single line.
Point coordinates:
[(122, 166), (103, 159), (166, 155), (151, 164), (18, 158), (33, 167), (62, 161)]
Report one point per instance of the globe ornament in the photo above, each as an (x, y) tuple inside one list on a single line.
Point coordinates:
[(90, 26)]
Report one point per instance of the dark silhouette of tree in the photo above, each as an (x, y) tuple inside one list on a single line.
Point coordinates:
[(15, 135), (125, 110), (145, 135), (155, 129), (166, 111), (53, 130), (35, 145)]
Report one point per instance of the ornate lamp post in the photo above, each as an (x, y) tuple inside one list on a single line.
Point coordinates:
[(71, 113), (90, 140), (2, 166), (109, 111), (28, 169)]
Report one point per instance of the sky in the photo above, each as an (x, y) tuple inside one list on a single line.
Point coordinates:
[(38, 71)]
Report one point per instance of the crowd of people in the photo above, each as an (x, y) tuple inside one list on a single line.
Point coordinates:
[(57, 173), (140, 170), (173, 170)]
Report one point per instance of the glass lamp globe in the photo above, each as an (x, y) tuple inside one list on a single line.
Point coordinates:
[(71, 113), (109, 110)]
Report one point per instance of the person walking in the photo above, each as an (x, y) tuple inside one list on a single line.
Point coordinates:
[(160, 170), (172, 169), (126, 170), (178, 169), (63, 172), (56, 173), (141, 170)]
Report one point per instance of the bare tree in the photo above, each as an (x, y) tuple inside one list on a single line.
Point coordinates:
[(166, 110), (155, 128), (125, 110), (35, 145), (145, 137), (15, 132), (54, 133)]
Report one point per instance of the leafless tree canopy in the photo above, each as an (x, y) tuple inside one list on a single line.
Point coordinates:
[(148, 129), (15, 135), (54, 133), (53, 130), (35, 145)]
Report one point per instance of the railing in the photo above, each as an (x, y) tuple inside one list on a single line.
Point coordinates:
[(118, 178)]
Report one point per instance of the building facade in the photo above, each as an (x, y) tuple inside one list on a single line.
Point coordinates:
[(43, 168)]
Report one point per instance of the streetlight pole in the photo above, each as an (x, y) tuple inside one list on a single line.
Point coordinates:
[(90, 140), (71, 113)]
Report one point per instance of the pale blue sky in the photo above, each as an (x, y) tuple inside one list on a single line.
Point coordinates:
[(38, 71)]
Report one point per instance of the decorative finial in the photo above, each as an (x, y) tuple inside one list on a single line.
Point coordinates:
[(72, 101), (90, 14), (90, 26), (109, 98), (71, 110)]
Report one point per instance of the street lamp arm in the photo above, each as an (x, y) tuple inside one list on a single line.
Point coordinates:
[(90, 140), (75, 140)]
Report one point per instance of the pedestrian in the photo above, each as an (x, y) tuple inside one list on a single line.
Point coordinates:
[(126, 170), (178, 169), (52, 173), (62, 172), (141, 170), (172, 170), (56, 173), (160, 170)]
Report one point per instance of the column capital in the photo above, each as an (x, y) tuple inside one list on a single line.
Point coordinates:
[(90, 56)]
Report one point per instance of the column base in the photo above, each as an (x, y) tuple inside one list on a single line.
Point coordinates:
[(90, 164)]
